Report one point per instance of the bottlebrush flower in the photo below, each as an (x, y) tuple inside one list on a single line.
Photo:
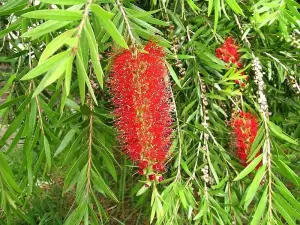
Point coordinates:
[(228, 52), (244, 127), (141, 98)]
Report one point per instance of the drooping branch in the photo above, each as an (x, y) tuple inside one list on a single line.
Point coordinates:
[(129, 29)]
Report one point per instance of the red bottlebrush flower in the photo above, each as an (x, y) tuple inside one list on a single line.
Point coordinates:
[(152, 177), (141, 98), (160, 179), (228, 52), (158, 167), (244, 126)]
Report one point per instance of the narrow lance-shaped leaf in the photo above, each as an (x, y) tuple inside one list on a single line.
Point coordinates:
[(7, 174), (47, 152), (252, 189), (260, 208), (249, 168), (81, 68), (54, 14), (13, 127), (66, 140), (45, 28), (7, 84), (235, 7), (94, 57), (173, 75), (64, 2), (50, 77), (279, 133), (104, 19), (55, 44), (46, 66), (68, 75)]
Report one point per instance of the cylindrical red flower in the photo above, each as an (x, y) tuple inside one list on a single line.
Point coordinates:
[(228, 52), (139, 86), (244, 127)]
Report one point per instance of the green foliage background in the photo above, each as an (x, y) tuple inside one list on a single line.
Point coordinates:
[(59, 159)]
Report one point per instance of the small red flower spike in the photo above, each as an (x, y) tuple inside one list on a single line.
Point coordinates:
[(141, 98), (158, 167), (160, 179), (228, 52), (152, 177), (141, 172), (244, 127)]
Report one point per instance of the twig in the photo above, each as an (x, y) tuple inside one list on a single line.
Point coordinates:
[(129, 30)]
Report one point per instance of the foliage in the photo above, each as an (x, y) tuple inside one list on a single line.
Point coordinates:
[(60, 161)]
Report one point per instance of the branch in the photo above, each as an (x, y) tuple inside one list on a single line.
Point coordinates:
[(90, 145), (129, 29), (265, 113)]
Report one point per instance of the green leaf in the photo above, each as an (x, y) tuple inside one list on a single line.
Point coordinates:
[(50, 77), (68, 75), (82, 72), (210, 7), (77, 215), (46, 66), (252, 189), (81, 80), (188, 107), (95, 56), (45, 28), (13, 101), (279, 133), (54, 14), (104, 19), (100, 183), (257, 143), (64, 2), (136, 14), (55, 44), (284, 213), (173, 75), (13, 126), (66, 140), (12, 6), (143, 189), (193, 6), (7, 84), (293, 212), (12, 27), (260, 208), (249, 168), (287, 172), (286, 193), (7, 174), (235, 7), (47, 152)]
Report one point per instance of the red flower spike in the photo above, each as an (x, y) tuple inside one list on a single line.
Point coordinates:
[(160, 179), (152, 177), (141, 172), (143, 164), (140, 93), (158, 167), (244, 126), (228, 52)]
